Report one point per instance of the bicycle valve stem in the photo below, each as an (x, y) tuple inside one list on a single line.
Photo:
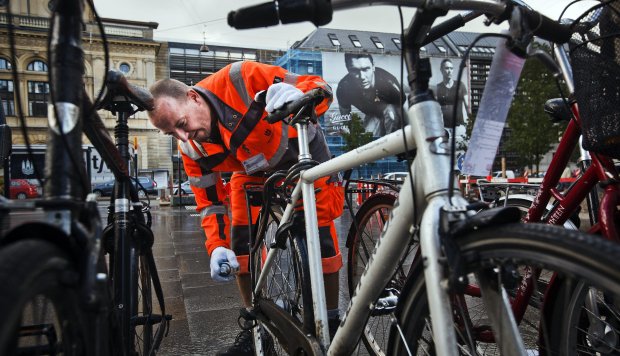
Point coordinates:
[(225, 269)]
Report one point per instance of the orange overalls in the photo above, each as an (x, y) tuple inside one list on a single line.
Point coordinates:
[(243, 143)]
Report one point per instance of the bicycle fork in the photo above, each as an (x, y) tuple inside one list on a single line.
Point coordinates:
[(433, 165)]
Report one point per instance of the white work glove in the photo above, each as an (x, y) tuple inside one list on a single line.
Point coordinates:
[(280, 94), (222, 256)]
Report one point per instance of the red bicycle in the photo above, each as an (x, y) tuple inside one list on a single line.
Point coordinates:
[(593, 126)]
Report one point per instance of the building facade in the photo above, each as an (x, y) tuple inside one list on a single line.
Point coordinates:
[(131, 49)]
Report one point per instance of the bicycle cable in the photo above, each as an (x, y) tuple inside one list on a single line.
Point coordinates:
[(106, 55)]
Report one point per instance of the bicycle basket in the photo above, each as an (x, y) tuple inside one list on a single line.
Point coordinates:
[(595, 57)]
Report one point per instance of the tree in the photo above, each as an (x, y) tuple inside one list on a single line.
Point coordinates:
[(357, 135), (532, 133)]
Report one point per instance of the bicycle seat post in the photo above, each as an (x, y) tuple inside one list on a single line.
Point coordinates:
[(121, 130), (312, 231)]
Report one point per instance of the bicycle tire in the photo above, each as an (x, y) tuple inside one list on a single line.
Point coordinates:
[(572, 332), (571, 254), (287, 287), (41, 294), (142, 308), (363, 236)]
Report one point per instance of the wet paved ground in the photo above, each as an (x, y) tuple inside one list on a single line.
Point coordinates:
[(204, 312)]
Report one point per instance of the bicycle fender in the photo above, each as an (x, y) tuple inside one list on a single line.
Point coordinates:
[(43, 231), (485, 219)]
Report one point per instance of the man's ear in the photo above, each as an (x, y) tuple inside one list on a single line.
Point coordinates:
[(192, 95)]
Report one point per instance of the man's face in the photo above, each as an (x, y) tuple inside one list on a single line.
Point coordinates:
[(364, 71), (185, 120), (446, 70)]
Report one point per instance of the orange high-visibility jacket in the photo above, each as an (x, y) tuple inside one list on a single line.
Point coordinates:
[(241, 140)]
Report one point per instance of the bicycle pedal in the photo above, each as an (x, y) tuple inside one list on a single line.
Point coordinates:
[(41, 332), (151, 319), (247, 319)]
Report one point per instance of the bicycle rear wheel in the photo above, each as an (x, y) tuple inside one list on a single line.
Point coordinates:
[(39, 302), (286, 293), (363, 236), (559, 256)]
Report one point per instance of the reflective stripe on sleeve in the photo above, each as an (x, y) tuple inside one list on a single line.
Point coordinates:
[(213, 210), (198, 147), (204, 181), (237, 80), (188, 149)]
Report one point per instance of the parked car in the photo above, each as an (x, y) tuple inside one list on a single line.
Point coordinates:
[(148, 184), (509, 174), (22, 189), (185, 188), (105, 188), (395, 175)]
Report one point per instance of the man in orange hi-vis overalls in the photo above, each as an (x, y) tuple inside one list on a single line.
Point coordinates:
[(220, 129)]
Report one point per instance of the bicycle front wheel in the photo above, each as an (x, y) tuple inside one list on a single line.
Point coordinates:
[(286, 292), (142, 309), (40, 306), (542, 256)]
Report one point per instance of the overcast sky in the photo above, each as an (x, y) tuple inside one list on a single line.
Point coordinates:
[(187, 20)]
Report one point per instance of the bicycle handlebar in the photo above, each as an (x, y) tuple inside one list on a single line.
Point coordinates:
[(319, 12), (313, 96)]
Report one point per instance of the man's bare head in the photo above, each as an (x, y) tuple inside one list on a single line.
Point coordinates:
[(180, 111)]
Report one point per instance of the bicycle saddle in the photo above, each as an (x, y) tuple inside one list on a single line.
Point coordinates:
[(119, 90)]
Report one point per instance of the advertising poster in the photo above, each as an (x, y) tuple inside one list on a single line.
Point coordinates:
[(369, 85), (443, 83), (366, 84)]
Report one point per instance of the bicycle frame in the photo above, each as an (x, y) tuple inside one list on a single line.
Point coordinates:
[(596, 169)]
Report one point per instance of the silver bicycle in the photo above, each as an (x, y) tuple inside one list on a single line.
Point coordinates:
[(482, 283)]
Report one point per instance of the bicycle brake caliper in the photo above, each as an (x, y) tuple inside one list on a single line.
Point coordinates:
[(449, 216)]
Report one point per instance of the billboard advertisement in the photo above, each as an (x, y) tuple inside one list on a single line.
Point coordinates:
[(444, 85), (370, 85)]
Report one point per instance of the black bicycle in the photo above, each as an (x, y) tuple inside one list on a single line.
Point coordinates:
[(71, 286)]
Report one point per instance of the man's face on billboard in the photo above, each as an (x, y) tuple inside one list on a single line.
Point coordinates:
[(446, 69), (364, 71)]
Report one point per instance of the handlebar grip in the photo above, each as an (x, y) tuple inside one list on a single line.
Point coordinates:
[(319, 12), (314, 96), (546, 28), (262, 15)]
